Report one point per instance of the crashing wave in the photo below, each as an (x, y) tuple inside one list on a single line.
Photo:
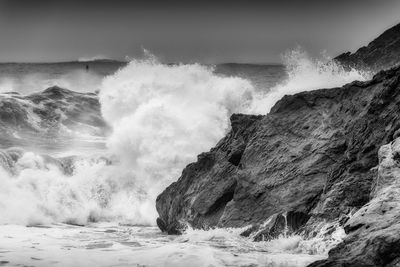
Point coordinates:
[(53, 117)]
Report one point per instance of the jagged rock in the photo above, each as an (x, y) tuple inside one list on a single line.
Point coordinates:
[(374, 230), (312, 155), (216, 190), (381, 53)]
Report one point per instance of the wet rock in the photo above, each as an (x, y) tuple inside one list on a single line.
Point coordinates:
[(374, 230), (311, 158), (209, 197)]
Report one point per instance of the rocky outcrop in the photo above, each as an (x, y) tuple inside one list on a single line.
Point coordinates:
[(374, 230), (48, 115), (381, 53), (310, 164), (310, 160)]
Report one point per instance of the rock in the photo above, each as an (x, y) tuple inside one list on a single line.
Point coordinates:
[(210, 202), (374, 230), (381, 53), (311, 158)]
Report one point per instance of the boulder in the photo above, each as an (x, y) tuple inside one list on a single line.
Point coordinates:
[(311, 158)]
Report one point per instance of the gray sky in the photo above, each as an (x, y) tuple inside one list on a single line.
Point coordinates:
[(178, 31)]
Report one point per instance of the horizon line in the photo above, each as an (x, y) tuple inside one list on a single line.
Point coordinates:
[(127, 61)]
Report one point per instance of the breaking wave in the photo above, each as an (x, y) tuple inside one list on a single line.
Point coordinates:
[(305, 73), (162, 117), (77, 80)]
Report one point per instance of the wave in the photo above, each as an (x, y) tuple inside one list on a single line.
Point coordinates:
[(305, 73), (162, 117), (77, 80)]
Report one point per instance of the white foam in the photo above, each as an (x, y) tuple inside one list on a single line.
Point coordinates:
[(110, 244), (305, 74), (163, 116)]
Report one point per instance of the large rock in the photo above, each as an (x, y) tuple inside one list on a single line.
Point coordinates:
[(309, 160), (374, 230), (382, 53)]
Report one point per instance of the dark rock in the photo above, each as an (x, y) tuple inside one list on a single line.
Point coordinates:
[(381, 53), (311, 158), (374, 230)]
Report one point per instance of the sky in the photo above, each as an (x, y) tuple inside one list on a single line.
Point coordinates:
[(188, 31)]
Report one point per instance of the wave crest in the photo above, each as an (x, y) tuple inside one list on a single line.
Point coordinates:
[(305, 73), (162, 117)]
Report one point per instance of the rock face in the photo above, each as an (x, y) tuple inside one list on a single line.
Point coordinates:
[(374, 230), (381, 53), (50, 114), (310, 160)]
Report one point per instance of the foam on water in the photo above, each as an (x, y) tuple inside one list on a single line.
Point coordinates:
[(162, 117), (115, 245), (38, 191)]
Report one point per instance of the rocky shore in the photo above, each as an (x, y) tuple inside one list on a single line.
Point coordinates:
[(382, 53), (313, 160)]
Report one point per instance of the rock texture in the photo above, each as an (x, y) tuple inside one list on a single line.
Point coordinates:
[(310, 159), (50, 114), (381, 53), (374, 230)]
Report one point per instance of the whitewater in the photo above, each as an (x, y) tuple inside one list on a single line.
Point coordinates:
[(101, 212)]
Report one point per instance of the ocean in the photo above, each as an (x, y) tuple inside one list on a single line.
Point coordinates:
[(30, 77), (91, 200)]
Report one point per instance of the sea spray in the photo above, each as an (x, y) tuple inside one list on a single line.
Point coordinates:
[(163, 116), (305, 73)]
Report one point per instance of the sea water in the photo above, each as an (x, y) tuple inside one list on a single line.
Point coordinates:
[(162, 116)]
